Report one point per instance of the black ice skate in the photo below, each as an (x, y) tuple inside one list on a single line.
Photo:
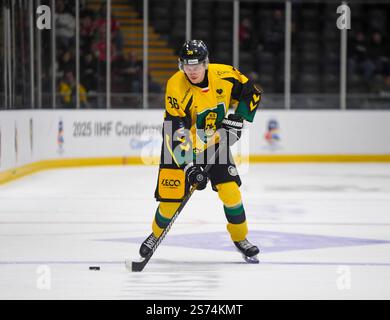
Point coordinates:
[(248, 250), (147, 245)]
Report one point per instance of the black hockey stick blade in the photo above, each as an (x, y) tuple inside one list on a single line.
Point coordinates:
[(138, 266)]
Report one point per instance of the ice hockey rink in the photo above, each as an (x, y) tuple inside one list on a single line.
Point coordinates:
[(323, 230)]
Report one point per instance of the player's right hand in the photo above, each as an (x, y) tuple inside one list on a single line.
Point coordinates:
[(196, 175)]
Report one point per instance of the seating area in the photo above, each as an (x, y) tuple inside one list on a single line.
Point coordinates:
[(315, 51)]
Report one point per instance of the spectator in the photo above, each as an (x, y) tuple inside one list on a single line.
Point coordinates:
[(67, 63), (100, 49), (377, 53), (129, 68), (65, 26), (89, 72), (245, 34), (101, 28), (359, 62), (130, 74), (116, 33), (274, 36), (67, 90), (87, 31)]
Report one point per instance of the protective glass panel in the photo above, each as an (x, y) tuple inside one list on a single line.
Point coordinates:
[(127, 54), (92, 55), (315, 56), (262, 43), (213, 23), (44, 62), (167, 22), (368, 77), (14, 56), (2, 58)]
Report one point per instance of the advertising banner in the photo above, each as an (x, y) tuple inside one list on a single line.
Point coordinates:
[(33, 136)]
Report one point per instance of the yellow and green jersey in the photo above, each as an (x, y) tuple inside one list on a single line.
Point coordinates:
[(201, 109)]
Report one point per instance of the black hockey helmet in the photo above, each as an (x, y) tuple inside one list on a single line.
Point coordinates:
[(193, 52)]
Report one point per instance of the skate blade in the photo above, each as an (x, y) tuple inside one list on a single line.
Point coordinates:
[(253, 260)]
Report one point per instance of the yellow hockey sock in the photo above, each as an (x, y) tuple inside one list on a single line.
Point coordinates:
[(164, 213), (230, 195)]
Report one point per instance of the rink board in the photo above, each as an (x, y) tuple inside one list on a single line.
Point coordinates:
[(35, 140)]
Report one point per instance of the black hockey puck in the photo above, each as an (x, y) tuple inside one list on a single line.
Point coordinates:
[(94, 268)]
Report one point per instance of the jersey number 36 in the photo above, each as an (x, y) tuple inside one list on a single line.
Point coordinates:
[(173, 102)]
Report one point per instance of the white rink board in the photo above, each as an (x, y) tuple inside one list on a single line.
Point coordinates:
[(322, 132), (30, 136), (16, 142), (85, 134)]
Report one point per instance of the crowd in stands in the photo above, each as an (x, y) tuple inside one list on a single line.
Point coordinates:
[(316, 47), (369, 58), (126, 69)]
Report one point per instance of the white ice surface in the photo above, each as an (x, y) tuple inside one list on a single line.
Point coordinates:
[(55, 224)]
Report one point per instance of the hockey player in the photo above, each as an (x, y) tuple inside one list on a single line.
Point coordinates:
[(196, 105)]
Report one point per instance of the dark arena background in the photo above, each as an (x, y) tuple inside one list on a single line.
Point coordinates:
[(82, 104)]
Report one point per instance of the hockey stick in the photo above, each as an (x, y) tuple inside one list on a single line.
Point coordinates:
[(137, 266)]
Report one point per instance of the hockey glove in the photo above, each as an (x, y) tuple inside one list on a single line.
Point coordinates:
[(233, 125), (195, 175)]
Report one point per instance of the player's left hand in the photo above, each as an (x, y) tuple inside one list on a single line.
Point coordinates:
[(233, 125)]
